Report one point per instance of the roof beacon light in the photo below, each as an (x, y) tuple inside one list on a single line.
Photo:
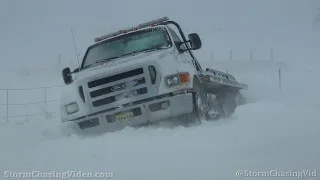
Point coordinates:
[(143, 25)]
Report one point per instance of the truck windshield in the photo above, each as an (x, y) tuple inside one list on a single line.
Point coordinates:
[(129, 44)]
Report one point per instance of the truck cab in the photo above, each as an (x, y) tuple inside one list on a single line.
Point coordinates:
[(134, 76)]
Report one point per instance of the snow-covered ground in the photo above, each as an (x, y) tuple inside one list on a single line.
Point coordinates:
[(278, 132)]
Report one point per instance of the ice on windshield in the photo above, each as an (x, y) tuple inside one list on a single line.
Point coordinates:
[(137, 41)]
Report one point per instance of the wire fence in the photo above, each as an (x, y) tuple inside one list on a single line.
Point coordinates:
[(44, 101), (41, 101), (28, 102), (234, 55)]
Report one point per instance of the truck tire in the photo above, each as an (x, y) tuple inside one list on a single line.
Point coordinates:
[(200, 105)]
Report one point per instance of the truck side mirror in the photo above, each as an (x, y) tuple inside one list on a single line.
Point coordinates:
[(67, 77), (195, 41)]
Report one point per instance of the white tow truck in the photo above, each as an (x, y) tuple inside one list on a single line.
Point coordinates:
[(146, 74)]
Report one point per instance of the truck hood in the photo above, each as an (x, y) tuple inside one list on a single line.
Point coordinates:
[(115, 64)]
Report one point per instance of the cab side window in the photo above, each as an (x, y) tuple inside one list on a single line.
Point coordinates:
[(174, 36), (177, 39)]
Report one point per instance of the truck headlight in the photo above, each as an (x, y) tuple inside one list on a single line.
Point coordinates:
[(72, 108), (176, 79)]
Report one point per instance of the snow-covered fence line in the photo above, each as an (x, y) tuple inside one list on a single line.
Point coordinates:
[(28, 102), (21, 103)]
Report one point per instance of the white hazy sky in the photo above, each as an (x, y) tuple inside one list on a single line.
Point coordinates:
[(34, 32)]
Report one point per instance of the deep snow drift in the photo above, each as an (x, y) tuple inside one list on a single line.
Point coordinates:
[(277, 131)]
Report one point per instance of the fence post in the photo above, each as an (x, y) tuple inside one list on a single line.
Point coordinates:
[(7, 92), (59, 59), (280, 80), (45, 101)]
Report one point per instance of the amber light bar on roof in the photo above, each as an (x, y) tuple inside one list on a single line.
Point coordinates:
[(143, 25)]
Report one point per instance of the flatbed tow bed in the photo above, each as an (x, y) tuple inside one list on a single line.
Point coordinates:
[(215, 81)]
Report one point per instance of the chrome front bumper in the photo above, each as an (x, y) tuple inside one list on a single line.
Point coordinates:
[(153, 110)]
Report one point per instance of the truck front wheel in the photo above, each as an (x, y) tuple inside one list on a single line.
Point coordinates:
[(200, 105)]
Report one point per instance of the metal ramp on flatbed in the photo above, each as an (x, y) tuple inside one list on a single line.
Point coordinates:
[(216, 81)]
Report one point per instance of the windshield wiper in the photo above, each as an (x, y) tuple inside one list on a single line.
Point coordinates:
[(106, 59), (152, 48), (101, 61)]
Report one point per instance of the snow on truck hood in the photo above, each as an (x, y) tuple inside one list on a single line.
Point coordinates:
[(115, 64)]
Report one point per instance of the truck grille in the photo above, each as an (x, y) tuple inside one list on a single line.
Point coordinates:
[(117, 87)]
